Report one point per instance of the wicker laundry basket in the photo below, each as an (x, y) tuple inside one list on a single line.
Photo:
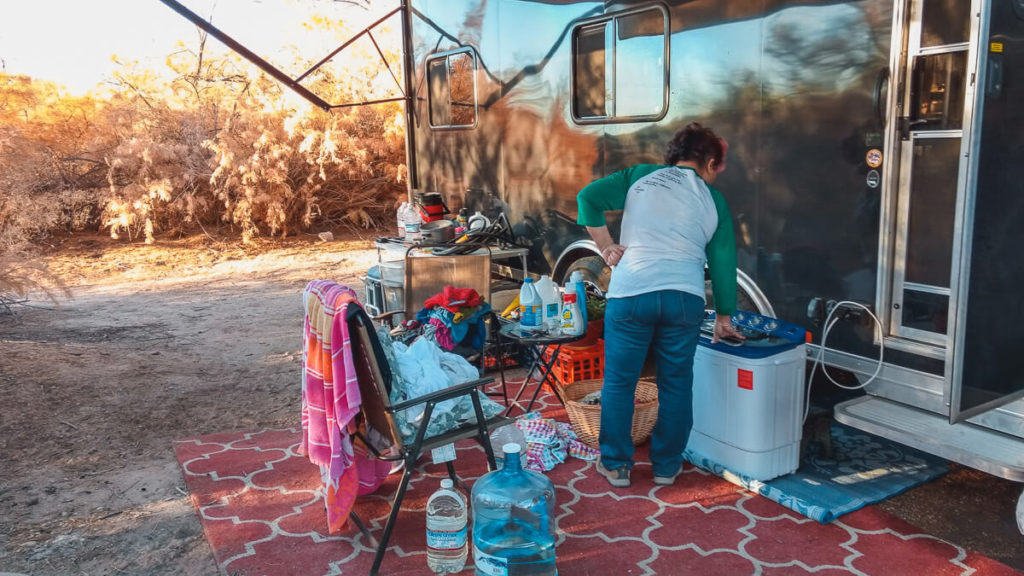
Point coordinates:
[(586, 418)]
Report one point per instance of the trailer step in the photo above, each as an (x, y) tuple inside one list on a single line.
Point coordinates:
[(986, 450)]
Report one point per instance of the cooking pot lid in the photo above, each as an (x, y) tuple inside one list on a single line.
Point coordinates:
[(436, 225)]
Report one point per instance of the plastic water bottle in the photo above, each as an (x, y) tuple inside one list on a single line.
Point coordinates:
[(401, 220), (549, 297), (446, 530), (531, 314), (572, 318), (412, 221), (514, 520), (577, 286), (507, 434)]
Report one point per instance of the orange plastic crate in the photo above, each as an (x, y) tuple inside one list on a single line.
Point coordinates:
[(576, 363)]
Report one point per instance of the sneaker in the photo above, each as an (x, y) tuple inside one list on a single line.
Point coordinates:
[(667, 480), (618, 478)]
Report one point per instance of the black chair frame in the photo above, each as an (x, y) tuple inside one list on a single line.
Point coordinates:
[(378, 414)]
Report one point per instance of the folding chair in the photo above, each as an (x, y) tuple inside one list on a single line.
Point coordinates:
[(379, 430)]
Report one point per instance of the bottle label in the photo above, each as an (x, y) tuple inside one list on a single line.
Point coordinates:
[(552, 310), (446, 540), (489, 565), (530, 315), (443, 454), (571, 322)]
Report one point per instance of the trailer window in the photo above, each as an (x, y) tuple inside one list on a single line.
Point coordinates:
[(620, 67), (945, 22), (451, 79)]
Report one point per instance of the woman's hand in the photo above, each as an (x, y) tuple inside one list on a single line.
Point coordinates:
[(612, 253), (725, 329)]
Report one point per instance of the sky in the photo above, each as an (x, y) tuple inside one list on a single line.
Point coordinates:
[(70, 42)]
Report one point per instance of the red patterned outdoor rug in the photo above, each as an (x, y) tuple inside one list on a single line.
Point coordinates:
[(260, 506)]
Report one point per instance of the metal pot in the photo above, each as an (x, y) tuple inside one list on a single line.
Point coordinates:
[(437, 232)]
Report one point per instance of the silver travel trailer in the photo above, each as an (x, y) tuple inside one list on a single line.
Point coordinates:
[(876, 158)]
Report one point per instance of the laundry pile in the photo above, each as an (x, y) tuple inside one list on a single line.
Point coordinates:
[(420, 368), (549, 442), (455, 317)]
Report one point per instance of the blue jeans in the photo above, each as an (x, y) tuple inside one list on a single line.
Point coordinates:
[(668, 320)]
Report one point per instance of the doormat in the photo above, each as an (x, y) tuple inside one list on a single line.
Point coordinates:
[(260, 506), (865, 469)]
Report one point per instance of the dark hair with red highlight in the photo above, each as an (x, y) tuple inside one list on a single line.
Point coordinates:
[(697, 143)]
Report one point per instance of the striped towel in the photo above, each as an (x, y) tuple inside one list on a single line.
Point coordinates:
[(330, 396)]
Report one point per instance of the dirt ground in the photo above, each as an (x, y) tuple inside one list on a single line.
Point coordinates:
[(191, 337)]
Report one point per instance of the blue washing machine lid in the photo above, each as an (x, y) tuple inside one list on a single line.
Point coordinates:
[(765, 336)]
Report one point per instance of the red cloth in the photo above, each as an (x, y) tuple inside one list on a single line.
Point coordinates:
[(452, 299)]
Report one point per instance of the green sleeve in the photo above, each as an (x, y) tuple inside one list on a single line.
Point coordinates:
[(600, 196), (721, 253)]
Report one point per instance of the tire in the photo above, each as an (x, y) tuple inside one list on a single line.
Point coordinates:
[(599, 274), (1020, 513), (595, 272), (743, 300)]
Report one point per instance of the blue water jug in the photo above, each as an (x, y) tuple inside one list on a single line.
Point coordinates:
[(513, 521)]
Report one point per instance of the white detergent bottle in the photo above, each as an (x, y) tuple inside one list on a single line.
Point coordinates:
[(572, 319), (531, 314), (577, 286), (549, 297)]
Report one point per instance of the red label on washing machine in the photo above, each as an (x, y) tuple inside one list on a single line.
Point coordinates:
[(745, 379)]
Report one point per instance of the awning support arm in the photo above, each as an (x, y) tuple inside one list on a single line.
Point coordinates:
[(246, 53), (348, 42), (277, 74)]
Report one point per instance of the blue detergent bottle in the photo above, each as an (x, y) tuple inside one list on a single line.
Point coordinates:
[(513, 521), (577, 286)]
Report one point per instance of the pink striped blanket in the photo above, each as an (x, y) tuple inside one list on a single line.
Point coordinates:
[(330, 396)]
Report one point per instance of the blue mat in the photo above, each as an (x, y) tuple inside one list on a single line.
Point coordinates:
[(866, 469)]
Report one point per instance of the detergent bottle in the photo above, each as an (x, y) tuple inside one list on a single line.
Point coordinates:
[(572, 319), (549, 298), (576, 286), (531, 314)]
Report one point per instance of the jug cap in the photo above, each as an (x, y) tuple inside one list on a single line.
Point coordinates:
[(511, 448)]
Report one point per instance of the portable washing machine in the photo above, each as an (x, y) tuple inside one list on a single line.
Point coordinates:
[(748, 397)]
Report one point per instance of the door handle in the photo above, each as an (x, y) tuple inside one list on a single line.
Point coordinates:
[(994, 76), (881, 83), (906, 123)]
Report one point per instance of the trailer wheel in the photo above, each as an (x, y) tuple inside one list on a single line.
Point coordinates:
[(597, 273), (594, 270), (743, 300), (1020, 513)]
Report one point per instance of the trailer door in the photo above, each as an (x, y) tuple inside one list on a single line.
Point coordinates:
[(933, 85), (984, 368)]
